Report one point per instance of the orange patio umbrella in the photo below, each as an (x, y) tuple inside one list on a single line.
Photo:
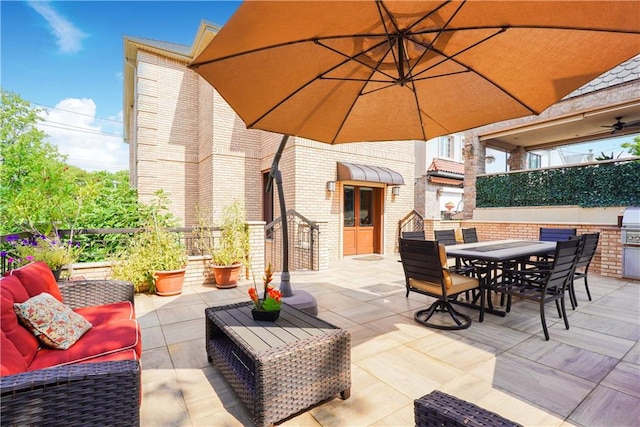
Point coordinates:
[(345, 71), (349, 71)]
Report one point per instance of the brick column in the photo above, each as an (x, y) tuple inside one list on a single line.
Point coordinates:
[(322, 257), (472, 152), (256, 249), (517, 159)]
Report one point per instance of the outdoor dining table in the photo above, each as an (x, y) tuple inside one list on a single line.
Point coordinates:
[(493, 258)]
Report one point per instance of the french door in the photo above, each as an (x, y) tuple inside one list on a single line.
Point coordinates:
[(362, 220)]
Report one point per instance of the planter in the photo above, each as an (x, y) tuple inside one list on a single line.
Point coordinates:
[(269, 316), (169, 282), (226, 275)]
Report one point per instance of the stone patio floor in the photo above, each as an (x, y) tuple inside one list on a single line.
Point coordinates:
[(588, 375)]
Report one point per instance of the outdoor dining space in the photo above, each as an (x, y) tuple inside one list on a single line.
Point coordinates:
[(588, 375)]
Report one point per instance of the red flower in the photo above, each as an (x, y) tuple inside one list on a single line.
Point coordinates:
[(253, 294)]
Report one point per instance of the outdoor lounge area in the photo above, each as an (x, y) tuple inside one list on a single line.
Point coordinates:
[(588, 375)]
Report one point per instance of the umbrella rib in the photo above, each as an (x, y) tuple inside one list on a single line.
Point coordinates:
[(301, 87), (441, 31), (344, 120), (433, 11), (398, 61), (469, 69), (354, 58)]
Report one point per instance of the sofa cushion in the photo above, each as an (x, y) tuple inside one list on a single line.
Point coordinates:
[(100, 340), (11, 361), (101, 314), (11, 291), (55, 324), (11, 286), (37, 277)]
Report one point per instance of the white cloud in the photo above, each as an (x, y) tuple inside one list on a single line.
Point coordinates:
[(69, 38), (90, 143)]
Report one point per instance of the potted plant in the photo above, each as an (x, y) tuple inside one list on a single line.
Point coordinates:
[(52, 250), (155, 258), (229, 251), (267, 307)]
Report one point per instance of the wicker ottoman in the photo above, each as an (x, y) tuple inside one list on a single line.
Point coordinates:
[(441, 409), (278, 368)]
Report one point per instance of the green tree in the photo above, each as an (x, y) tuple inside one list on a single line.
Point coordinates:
[(113, 205), (39, 192), (632, 147)]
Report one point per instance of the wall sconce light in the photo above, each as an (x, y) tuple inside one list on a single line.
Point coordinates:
[(395, 191), (331, 186)]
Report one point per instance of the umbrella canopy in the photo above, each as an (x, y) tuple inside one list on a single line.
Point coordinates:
[(347, 71)]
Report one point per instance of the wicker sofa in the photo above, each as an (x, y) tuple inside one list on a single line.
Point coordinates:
[(94, 382)]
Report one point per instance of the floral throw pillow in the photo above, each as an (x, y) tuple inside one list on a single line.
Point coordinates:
[(55, 324)]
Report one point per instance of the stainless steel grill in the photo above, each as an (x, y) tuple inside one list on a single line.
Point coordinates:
[(631, 243)]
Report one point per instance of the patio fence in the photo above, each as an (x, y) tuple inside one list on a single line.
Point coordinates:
[(303, 243)]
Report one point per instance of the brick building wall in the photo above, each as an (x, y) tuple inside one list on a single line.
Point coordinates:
[(167, 131), (188, 141)]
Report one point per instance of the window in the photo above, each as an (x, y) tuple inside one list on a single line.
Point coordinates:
[(446, 147), (534, 161)]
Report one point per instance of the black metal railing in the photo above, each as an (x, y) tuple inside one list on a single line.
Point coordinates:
[(413, 221), (99, 244), (304, 243)]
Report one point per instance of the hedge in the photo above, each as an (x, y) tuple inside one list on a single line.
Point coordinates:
[(595, 185)]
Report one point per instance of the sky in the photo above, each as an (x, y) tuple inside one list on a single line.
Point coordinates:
[(66, 57)]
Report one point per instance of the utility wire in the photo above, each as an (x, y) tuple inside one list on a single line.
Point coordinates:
[(92, 132), (75, 112), (80, 129)]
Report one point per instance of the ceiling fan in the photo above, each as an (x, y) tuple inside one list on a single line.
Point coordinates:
[(619, 125)]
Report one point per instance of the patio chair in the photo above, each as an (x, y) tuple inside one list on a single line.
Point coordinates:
[(413, 235), (446, 237), (556, 234), (545, 284), (469, 235), (589, 246), (426, 272), (553, 235)]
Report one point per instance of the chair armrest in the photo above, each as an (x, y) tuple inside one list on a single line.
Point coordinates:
[(106, 393), (86, 293)]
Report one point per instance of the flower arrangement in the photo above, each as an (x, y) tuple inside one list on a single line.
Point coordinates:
[(55, 252), (271, 298)]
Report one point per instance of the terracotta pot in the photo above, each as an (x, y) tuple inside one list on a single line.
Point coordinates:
[(226, 275), (169, 282)]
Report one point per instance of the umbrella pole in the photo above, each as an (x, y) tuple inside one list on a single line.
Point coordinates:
[(285, 285)]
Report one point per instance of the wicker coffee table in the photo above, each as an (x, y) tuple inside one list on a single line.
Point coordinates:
[(278, 368)]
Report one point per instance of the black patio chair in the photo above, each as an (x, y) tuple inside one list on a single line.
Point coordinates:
[(544, 284), (469, 235), (446, 237), (413, 235), (426, 272), (589, 246)]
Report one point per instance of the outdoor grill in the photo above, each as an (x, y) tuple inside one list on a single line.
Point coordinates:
[(631, 243)]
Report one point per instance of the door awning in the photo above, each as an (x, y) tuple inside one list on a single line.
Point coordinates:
[(354, 172)]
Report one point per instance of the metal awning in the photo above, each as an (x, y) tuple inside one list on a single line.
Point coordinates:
[(354, 172)]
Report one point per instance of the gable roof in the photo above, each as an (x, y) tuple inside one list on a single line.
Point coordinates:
[(447, 166)]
